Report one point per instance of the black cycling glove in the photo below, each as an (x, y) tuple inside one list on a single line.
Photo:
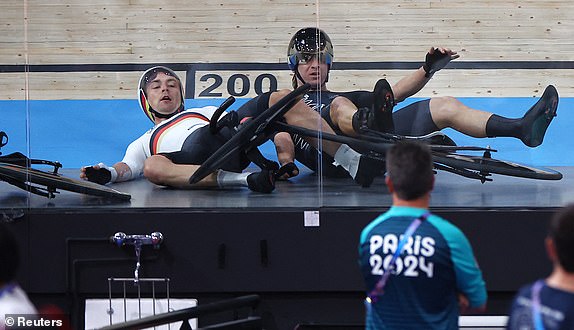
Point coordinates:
[(100, 176), (435, 62), (290, 169)]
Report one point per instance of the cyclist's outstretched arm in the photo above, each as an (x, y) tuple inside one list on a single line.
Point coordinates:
[(436, 59), (129, 168), (103, 174)]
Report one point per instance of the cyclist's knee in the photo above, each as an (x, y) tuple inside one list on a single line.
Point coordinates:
[(155, 168), (341, 107), (444, 108), (444, 104)]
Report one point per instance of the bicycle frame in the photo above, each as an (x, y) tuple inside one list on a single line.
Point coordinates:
[(16, 169)]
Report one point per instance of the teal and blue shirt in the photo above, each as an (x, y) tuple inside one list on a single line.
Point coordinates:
[(435, 265), (557, 309)]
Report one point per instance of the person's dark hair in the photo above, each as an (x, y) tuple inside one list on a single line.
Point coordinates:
[(562, 233), (9, 255), (410, 168)]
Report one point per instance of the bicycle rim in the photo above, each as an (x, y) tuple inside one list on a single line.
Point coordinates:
[(496, 166)]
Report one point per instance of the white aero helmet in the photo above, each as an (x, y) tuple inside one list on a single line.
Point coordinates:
[(148, 76)]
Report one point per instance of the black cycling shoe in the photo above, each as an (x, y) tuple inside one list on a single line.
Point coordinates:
[(383, 103), (371, 165), (378, 116), (263, 181), (537, 119)]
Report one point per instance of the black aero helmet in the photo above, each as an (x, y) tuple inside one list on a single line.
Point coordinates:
[(309, 42), (148, 76)]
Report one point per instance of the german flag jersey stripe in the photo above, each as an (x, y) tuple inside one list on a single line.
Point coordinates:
[(170, 135)]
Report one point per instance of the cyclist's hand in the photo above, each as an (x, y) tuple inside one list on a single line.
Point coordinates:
[(438, 58), (99, 173), (287, 171)]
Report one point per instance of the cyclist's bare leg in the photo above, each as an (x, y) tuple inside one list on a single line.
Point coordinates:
[(162, 171), (362, 168), (530, 128), (342, 111), (447, 111)]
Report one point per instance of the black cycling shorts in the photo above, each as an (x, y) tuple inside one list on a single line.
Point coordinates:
[(201, 144), (414, 119)]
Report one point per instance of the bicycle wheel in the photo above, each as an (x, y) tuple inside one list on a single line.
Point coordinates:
[(56, 181), (487, 165)]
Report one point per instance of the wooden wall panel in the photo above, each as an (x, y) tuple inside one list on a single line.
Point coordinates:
[(123, 85), (202, 31)]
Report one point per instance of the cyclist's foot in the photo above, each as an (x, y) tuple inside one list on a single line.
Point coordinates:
[(370, 166), (383, 103), (263, 181), (536, 120), (378, 116)]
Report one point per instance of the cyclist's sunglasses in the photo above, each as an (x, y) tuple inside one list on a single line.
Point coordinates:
[(304, 58)]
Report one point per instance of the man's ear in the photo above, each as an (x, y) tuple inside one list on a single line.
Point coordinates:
[(389, 184), (551, 249)]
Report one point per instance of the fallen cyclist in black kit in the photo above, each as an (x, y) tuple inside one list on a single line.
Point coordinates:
[(363, 113), (370, 145)]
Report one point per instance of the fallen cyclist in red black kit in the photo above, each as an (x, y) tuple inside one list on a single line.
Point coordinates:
[(177, 144)]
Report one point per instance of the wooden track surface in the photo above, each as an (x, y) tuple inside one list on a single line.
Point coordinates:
[(201, 31)]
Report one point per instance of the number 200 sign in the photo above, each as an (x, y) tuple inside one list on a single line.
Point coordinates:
[(235, 84)]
